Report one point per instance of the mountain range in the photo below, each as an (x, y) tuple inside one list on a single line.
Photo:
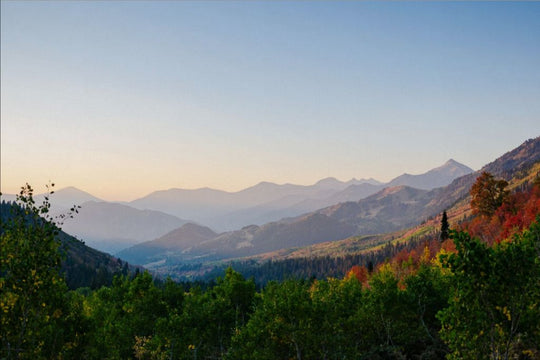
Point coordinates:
[(265, 202), (389, 209), (112, 227)]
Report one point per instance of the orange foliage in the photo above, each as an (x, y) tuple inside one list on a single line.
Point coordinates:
[(360, 272), (448, 246), (517, 213)]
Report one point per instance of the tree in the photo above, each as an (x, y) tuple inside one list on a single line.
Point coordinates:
[(124, 317), (493, 308), (488, 194), (280, 326), (387, 318), (445, 227), (33, 301)]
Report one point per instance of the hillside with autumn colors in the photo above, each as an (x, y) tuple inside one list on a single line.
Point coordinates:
[(414, 213), (461, 284), (447, 295)]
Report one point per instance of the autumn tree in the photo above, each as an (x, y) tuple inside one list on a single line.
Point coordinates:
[(488, 194)]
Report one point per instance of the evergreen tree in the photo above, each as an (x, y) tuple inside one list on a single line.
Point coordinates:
[(444, 226)]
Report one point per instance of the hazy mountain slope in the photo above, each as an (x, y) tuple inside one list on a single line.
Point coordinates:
[(353, 192), (69, 196), (310, 229), (388, 210), (521, 165), (267, 202), (438, 177), (83, 265), (513, 164), (192, 204), (385, 211), (516, 160), (230, 210), (181, 239), (62, 200), (111, 227)]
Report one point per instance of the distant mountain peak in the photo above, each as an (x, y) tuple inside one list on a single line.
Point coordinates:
[(329, 181), (453, 163), (70, 188), (437, 177), (73, 190)]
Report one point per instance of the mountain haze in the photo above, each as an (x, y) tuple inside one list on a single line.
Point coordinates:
[(266, 202), (111, 227), (62, 200), (389, 209), (438, 177), (185, 237), (83, 266)]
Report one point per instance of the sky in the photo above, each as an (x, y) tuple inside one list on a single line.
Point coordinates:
[(124, 98)]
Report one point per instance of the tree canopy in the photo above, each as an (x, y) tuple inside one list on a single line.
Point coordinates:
[(488, 194), (470, 300)]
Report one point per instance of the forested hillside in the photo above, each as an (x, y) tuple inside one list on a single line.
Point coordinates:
[(83, 266), (324, 242), (461, 298)]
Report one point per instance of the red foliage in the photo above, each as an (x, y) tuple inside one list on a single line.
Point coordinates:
[(449, 246), (517, 213), (360, 272), (401, 257)]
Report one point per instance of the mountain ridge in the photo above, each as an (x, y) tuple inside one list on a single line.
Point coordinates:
[(112, 226), (266, 202), (223, 211), (390, 209)]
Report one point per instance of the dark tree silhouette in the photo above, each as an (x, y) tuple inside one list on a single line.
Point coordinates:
[(445, 227)]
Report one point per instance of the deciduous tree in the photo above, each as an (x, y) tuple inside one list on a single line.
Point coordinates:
[(32, 289), (493, 311), (487, 194)]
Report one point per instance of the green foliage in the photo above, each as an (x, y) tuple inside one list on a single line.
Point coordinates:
[(124, 314), (33, 302), (493, 311), (483, 304), (428, 293), (280, 326)]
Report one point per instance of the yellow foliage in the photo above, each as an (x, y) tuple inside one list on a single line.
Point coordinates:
[(426, 255), (436, 261)]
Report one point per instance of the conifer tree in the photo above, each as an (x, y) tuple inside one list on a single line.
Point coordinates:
[(445, 227)]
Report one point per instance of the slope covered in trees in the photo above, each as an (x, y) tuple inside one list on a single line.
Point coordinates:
[(462, 298), (83, 266), (391, 209)]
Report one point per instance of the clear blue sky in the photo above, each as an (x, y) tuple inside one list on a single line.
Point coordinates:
[(123, 98)]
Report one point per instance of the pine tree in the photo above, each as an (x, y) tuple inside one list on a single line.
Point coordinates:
[(444, 226)]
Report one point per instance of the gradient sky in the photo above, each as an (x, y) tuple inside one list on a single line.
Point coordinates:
[(123, 98)]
